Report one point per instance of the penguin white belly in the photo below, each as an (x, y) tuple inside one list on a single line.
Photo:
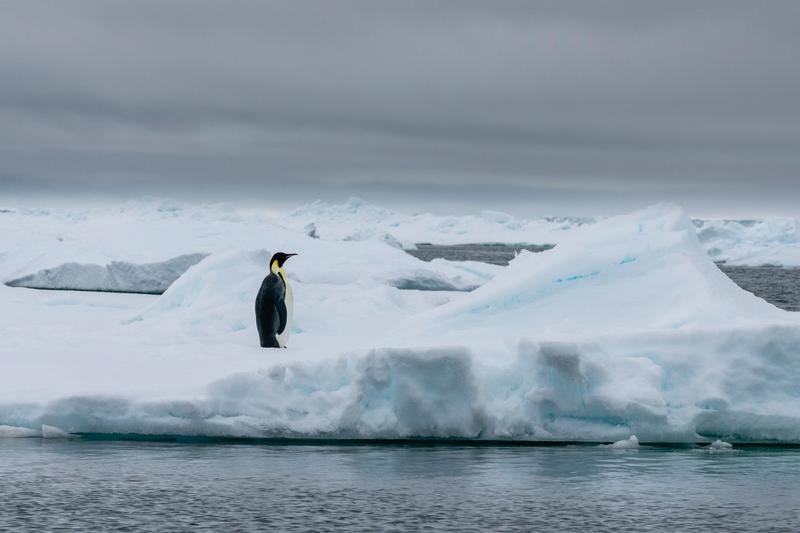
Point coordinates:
[(288, 299)]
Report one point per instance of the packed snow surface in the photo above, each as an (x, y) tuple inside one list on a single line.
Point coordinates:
[(626, 327)]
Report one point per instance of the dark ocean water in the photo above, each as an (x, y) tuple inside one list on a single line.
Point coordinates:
[(779, 286), (123, 486), (494, 253)]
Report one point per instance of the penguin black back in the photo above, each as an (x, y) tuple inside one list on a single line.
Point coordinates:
[(274, 305)]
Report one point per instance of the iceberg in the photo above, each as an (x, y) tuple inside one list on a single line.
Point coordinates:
[(631, 443), (117, 276), (720, 446), (627, 327)]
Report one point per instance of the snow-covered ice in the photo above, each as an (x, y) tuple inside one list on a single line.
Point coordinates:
[(626, 327)]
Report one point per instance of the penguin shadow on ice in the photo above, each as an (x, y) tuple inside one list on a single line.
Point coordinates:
[(274, 305)]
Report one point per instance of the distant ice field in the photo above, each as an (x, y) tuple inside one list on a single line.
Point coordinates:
[(769, 241)]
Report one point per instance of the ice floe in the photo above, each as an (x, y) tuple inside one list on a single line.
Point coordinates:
[(626, 327)]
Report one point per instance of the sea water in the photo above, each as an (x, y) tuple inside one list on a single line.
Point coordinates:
[(85, 485)]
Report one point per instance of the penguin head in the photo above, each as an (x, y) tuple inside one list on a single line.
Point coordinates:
[(278, 259)]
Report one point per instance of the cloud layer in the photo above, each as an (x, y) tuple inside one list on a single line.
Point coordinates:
[(573, 106)]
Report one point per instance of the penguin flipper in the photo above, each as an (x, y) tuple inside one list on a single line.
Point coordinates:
[(280, 307)]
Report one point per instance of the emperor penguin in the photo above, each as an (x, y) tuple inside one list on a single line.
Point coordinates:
[(274, 305)]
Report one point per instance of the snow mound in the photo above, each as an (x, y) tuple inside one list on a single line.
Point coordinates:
[(117, 276), (337, 294), (217, 291), (774, 241), (645, 271)]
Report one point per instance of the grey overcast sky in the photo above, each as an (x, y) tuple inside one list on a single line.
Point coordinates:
[(560, 107)]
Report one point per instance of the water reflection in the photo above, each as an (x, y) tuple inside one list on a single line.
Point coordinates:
[(85, 485)]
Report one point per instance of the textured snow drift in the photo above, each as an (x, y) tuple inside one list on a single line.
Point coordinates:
[(117, 276), (625, 328)]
